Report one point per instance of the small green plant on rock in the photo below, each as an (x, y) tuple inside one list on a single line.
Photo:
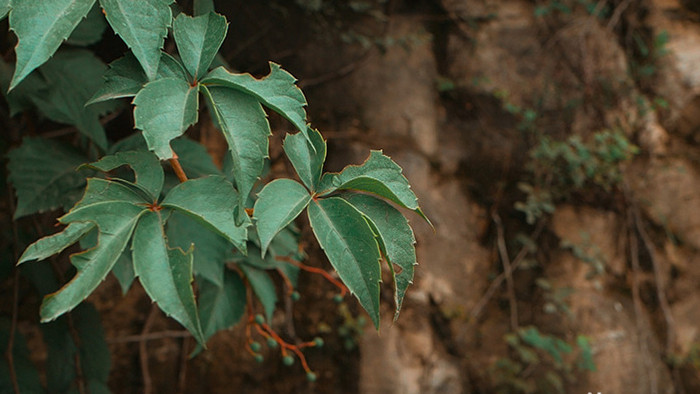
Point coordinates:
[(540, 363), (561, 168)]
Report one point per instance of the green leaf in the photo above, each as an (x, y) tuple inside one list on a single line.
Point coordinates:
[(286, 243), (351, 247), (43, 174), (194, 158), (133, 142), (202, 7), (211, 251), (279, 202), (210, 200), (307, 158), (396, 239), (263, 286), (198, 40), (552, 345), (143, 26), (149, 173), (195, 161), (378, 175), (244, 125), (113, 208), (54, 244), (221, 306), (125, 77), (5, 8), (90, 29), (20, 98), (40, 28), (585, 358), (73, 76), (91, 350), (276, 91), (164, 110), (26, 374), (271, 261), (166, 274), (123, 270)]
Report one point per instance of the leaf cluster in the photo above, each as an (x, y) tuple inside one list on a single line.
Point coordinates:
[(222, 228)]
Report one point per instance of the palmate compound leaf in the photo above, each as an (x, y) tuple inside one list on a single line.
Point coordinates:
[(378, 175), (146, 166), (211, 201), (198, 40), (125, 77), (44, 175), (143, 25), (244, 124), (166, 274), (165, 108), (41, 26), (351, 247), (115, 209), (279, 202), (276, 91), (307, 158), (396, 240)]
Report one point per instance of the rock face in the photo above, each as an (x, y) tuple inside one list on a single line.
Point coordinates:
[(573, 71)]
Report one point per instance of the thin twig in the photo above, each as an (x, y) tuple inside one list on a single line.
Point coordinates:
[(507, 270), (617, 14), (15, 299), (288, 304), (519, 258), (660, 288), (13, 328), (642, 334), (150, 337), (143, 351), (337, 73), (182, 376)]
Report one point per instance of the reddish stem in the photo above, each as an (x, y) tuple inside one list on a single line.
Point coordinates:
[(175, 163), (326, 275)]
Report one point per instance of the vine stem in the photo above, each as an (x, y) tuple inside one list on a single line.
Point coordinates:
[(175, 163), (326, 275), (143, 351)]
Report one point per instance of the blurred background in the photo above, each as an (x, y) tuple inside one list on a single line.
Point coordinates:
[(555, 146)]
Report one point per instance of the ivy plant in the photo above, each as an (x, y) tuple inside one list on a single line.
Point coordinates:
[(191, 220)]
